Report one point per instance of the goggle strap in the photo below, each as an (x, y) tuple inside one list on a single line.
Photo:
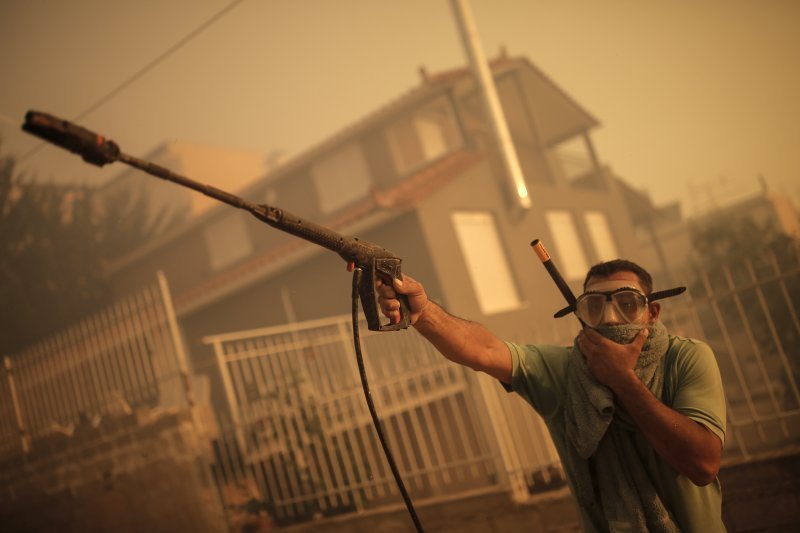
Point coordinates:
[(658, 295), (564, 312)]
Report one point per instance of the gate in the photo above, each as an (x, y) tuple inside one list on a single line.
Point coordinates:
[(301, 439)]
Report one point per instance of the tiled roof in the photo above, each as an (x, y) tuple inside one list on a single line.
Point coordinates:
[(390, 201)]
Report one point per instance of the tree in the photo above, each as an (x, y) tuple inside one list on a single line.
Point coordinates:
[(49, 263), (729, 238), (54, 244)]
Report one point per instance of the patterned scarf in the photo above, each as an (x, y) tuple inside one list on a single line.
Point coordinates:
[(596, 429)]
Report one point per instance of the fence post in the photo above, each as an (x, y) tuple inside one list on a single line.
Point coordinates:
[(23, 433), (230, 395), (495, 423), (177, 344), (199, 427)]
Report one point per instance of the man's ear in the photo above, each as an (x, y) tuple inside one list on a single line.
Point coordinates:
[(654, 309)]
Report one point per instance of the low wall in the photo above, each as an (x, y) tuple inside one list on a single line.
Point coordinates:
[(137, 472), (763, 494), (476, 512)]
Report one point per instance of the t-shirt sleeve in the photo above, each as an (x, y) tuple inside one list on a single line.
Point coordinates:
[(537, 374), (699, 394)]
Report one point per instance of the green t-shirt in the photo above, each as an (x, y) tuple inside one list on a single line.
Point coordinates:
[(692, 387)]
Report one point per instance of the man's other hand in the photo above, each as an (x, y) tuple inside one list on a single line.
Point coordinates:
[(610, 363)]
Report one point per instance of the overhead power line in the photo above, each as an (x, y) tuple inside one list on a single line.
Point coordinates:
[(144, 70)]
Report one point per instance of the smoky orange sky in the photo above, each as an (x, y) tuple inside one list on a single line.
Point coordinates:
[(696, 98)]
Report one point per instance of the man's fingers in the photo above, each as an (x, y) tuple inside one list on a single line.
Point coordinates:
[(593, 335), (387, 298), (393, 316), (389, 293), (407, 285), (596, 338), (641, 338), (389, 304), (385, 291)]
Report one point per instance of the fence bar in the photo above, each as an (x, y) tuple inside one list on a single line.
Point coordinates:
[(773, 332), (756, 349), (731, 351), (23, 433)]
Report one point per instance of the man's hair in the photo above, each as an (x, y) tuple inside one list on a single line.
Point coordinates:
[(621, 265)]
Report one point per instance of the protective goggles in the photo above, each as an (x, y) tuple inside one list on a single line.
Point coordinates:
[(628, 303)]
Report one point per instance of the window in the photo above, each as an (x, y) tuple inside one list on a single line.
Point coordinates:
[(571, 259), (486, 261), (432, 137), (601, 236), (341, 177), (574, 158), (227, 240), (423, 134)]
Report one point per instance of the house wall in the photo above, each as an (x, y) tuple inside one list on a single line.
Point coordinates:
[(479, 190), (317, 287)]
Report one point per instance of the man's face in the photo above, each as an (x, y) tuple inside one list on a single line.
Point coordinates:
[(621, 280)]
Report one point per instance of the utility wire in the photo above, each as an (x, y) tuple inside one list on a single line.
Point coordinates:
[(142, 71)]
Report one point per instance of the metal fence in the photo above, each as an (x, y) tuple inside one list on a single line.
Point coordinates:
[(748, 312), (301, 436), (125, 356)]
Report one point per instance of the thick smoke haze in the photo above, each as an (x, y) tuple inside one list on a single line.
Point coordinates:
[(696, 99)]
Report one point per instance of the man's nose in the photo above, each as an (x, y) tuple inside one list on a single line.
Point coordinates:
[(611, 317)]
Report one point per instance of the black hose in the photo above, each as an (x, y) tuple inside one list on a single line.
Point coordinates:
[(368, 395)]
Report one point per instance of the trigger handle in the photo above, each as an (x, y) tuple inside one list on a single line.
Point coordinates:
[(405, 312), (388, 269)]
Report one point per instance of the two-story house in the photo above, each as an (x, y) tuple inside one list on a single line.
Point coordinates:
[(420, 176)]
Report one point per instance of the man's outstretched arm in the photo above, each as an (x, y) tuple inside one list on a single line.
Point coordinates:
[(463, 342)]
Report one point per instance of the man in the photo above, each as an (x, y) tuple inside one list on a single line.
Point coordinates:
[(637, 415)]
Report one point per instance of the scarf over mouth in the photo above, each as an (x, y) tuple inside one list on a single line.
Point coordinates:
[(600, 438)]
